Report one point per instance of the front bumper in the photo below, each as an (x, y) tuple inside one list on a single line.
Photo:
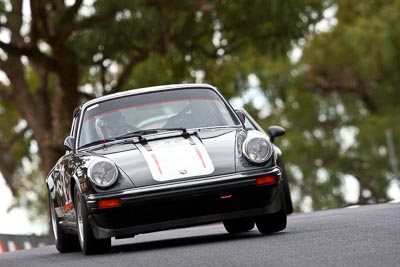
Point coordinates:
[(187, 203)]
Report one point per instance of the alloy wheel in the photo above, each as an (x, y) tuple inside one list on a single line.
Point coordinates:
[(53, 220), (80, 220)]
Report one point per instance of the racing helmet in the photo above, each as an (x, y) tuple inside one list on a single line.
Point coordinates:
[(111, 124)]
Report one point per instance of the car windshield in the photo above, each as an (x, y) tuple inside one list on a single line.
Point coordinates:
[(185, 108)]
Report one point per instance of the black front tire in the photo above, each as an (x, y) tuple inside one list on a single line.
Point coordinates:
[(288, 197), (89, 243), (286, 189), (64, 242), (275, 222), (239, 225)]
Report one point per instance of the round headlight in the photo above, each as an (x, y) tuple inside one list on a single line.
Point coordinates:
[(257, 148), (103, 172)]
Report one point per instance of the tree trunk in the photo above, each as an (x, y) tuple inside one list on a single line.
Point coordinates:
[(63, 103)]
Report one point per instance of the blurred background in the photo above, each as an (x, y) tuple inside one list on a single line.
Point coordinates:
[(327, 71)]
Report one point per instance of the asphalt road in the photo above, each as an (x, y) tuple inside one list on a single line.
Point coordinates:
[(359, 236)]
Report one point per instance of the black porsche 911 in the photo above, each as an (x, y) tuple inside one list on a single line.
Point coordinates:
[(159, 158)]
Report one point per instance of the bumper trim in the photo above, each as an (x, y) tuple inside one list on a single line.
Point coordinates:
[(237, 178)]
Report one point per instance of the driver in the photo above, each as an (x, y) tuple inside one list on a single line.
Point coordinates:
[(112, 125)]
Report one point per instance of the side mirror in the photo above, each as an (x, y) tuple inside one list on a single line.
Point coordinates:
[(69, 143), (275, 131), (241, 115)]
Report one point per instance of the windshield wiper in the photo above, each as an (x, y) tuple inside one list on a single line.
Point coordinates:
[(99, 142), (141, 133)]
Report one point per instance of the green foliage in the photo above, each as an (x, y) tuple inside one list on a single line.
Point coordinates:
[(347, 79), (182, 37)]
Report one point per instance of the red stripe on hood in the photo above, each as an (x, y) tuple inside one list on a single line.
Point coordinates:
[(157, 163)]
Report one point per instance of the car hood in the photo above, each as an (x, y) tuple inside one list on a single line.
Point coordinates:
[(177, 158)]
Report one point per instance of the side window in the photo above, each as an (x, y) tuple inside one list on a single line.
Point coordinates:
[(73, 128), (248, 124), (75, 119)]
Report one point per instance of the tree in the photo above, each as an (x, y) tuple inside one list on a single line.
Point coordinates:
[(62, 53), (344, 99)]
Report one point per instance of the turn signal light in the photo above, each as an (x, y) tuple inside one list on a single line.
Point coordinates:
[(266, 180), (109, 203)]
